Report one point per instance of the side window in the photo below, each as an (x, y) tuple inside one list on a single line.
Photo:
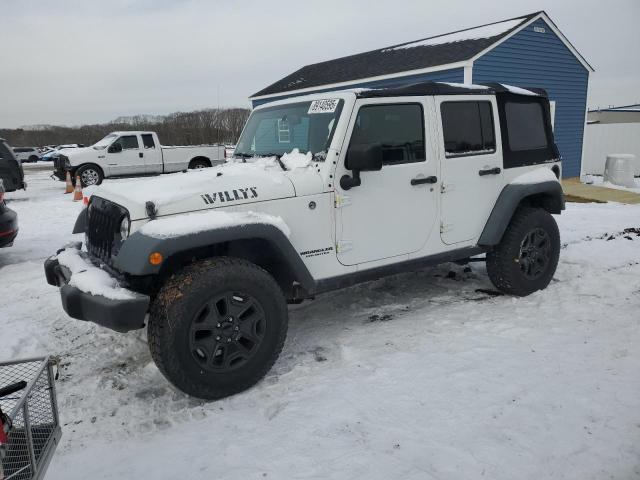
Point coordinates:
[(467, 128), (147, 141), (129, 142), (525, 126), (399, 129)]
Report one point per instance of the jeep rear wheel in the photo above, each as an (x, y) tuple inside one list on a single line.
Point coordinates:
[(527, 256), (217, 327)]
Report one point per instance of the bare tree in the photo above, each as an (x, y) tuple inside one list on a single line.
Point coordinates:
[(181, 128)]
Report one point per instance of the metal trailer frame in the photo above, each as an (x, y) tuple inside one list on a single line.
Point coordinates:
[(36, 426)]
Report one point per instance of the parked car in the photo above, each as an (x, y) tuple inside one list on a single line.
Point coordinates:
[(10, 168), (49, 156), (325, 191), (53, 153), (8, 221), (132, 153), (27, 154)]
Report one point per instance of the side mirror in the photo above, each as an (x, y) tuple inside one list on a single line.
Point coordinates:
[(115, 148), (361, 158)]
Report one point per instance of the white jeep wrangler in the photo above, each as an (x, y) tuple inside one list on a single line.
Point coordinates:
[(324, 191)]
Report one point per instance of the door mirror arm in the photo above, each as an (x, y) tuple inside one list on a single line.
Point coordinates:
[(346, 182)]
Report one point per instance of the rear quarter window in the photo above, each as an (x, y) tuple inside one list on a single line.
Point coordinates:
[(526, 127)]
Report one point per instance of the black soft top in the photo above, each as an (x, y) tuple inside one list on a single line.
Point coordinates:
[(442, 88)]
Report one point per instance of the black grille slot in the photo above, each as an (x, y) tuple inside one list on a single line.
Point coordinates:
[(103, 228)]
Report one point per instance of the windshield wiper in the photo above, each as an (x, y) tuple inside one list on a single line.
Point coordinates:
[(244, 157), (277, 155)]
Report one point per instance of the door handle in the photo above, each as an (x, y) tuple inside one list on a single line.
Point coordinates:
[(490, 171), (420, 181), (140, 154)]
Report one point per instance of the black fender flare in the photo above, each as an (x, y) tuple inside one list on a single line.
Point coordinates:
[(133, 256), (508, 202), (81, 222)]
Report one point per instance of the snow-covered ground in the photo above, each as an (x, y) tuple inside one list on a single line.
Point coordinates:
[(598, 181), (418, 376)]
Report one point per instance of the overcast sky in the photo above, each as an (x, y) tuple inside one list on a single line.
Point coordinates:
[(85, 61)]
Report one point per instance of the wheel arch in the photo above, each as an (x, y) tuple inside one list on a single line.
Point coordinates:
[(546, 195), (200, 158), (264, 245)]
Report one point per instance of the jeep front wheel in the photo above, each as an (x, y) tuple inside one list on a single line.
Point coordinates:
[(217, 327), (527, 256)]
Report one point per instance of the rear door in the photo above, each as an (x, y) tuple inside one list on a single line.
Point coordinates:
[(471, 164), (129, 160), (152, 154)]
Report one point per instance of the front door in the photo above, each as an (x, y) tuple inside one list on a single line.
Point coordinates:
[(127, 160), (471, 165), (393, 210)]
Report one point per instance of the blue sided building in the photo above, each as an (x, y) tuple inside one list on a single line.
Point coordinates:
[(528, 51)]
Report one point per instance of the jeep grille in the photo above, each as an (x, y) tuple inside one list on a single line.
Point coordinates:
[(103, 228)]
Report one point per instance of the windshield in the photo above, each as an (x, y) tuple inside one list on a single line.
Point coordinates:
[(307, 126), (105, 142)]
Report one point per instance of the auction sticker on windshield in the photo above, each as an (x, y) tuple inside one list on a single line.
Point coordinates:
[(324, 106)]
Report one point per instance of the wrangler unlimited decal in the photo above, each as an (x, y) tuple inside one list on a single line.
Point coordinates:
[(316, 253), (230, 195)]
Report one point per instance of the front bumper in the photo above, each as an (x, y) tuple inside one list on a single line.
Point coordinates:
[(121, 315), (8, 227)]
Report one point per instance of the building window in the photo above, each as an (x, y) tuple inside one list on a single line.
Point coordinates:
[(399, 129), (284, 134), (468, 128)]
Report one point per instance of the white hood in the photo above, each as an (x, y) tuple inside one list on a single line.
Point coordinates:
[(80, 153), (231, 184)]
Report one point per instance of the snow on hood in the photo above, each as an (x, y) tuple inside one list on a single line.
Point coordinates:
[(233, 183), (191, 223)]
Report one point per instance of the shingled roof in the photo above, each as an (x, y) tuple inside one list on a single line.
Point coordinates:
[(424, 53)]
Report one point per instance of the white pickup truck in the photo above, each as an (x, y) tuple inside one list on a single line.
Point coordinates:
[(133, 153)]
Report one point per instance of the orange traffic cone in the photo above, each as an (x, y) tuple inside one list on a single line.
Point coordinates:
[(69, 188), (77, 194)]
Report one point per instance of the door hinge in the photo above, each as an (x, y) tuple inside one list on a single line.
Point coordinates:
[(344, 246), (342, 201), (445, 227)]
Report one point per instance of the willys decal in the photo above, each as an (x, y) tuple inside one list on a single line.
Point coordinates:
[(230, 195)]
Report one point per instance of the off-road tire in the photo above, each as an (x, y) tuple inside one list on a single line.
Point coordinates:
[(175, 309), (82, 170), (504, 261)]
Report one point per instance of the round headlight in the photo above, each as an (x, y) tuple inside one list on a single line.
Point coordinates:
[(124, 228)]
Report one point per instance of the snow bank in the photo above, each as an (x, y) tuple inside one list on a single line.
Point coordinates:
[(88, 278), (536, 176), (178, 225), (486, 31)]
